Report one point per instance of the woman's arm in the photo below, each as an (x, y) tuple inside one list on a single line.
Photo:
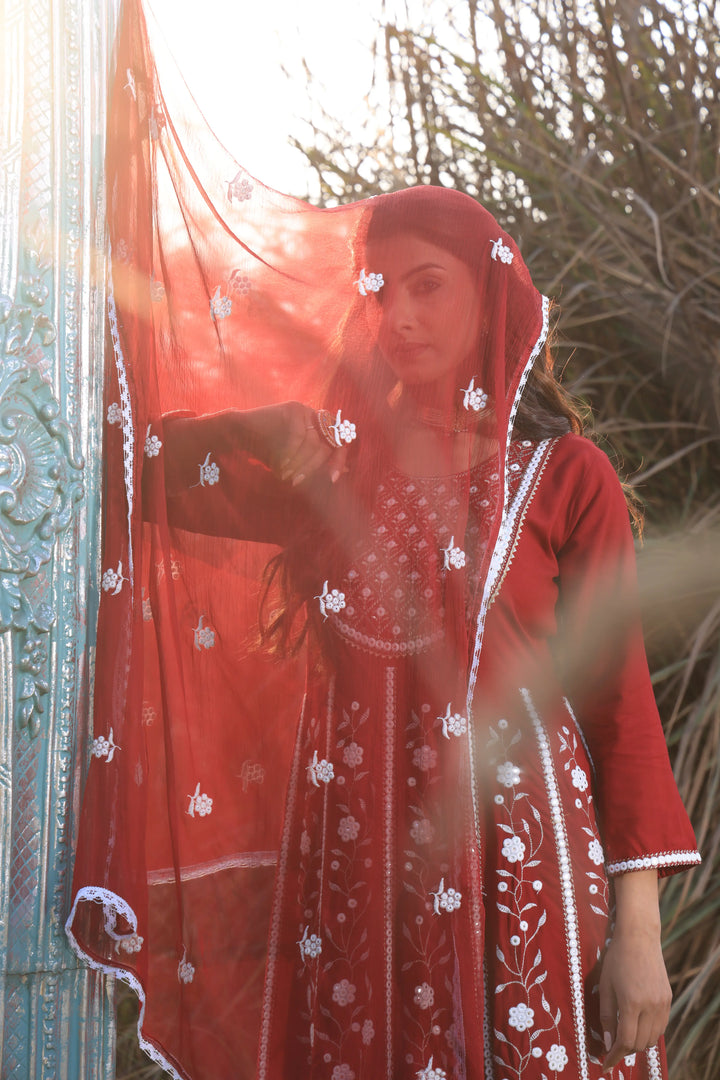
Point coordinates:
[(635, 992), (241, 474)]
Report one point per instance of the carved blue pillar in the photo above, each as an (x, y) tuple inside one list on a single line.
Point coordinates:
[(56, 1018)]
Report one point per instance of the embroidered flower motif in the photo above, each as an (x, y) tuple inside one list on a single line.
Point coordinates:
[(630, 1060), (251, 772), (474, 397), (320, 771), (369, 283), (200, 804), (424, 758), (515, 940), (343, 992), (149, 714), (146, 608), (422, 831), (513, 848), (557, 1057), (131, 944), (446, 899), (209, 471), (501, 251), (344, 432), (310, 945), (157, 291), (579, 778), (204, 636), (353, 755), (152, 444), (330, 600), (424, 996), (453, 723), (348, 828), (239, 188), (130, 84), (304, 842), (186, 971), (112, 580), (453, 557), (429, 1073), (106, 748), (239, 284), (368, 1032), (114, 413), (508, 774), (521, 1017), (595, 852), (220, 306), (342, 1072)]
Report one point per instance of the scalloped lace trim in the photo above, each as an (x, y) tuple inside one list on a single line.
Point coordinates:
[(662, 858), (114, 905), (128, 428)]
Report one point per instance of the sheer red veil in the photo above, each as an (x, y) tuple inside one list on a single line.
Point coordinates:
[(227, 295)]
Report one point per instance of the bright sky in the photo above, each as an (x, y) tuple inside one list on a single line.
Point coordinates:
[(233, 52)]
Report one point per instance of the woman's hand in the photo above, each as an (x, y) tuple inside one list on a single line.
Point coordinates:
[(635, 992), (286, 438)]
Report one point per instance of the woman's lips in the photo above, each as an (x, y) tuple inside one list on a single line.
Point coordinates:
[(408, 350)]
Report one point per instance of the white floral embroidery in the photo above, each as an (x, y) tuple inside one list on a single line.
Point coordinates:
[(344, 431), (130, 84), (342, 1072), (508, 774), (446, 899), (185, 971), (453, 723), (209, 472), (424, 758), (501, 251), (320, 771), (220, 306), (422, 831), (146, 608), (343, 992), (630, 1060), (114, 413), (521, 1017), (204, 636), (152, 444), (369, 283), (353, 755), (579, 778), (557, 1057), (310, 945), (149, 714), (453, 557), (112, 580), (368, 1032), (474, 397), (106, 748), (348, 828), (424, 996), (157, 291), (513, 849), (429, 1073), (199, 803), (239, 188), (131, 944), (595, 852), (330, 600)]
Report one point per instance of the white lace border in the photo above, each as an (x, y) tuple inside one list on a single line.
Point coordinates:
[(114, 905), (650, 862)]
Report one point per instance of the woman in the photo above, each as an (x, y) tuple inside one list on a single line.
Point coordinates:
[(412, 880)]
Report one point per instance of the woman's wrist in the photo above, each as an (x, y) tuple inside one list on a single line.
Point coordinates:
[(637, 908)]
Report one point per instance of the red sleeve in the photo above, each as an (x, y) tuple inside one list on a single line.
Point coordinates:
[(606, 673), (213, 486)]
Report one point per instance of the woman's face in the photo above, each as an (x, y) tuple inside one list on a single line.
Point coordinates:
[(430, 319)]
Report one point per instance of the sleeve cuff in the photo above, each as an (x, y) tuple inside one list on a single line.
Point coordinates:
[(666, 862)]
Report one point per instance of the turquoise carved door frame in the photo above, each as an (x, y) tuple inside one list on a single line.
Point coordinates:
[(56, 1017)]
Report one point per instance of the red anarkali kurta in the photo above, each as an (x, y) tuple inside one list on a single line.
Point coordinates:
[(408, 939)]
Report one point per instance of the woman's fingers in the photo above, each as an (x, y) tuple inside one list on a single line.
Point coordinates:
[(307, 452), (625, 1041)]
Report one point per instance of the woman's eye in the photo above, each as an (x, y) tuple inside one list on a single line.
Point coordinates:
[(426, 286)]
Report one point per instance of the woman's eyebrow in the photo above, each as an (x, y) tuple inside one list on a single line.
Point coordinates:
[(418, 269)]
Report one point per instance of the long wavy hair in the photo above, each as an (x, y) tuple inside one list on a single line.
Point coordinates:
[(361, 385)]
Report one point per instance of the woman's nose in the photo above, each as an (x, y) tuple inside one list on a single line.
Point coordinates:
[(398, 312)]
